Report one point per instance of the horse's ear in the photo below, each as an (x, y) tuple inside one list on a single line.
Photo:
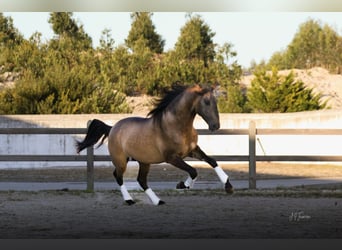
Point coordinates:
[(198, 89), (217, 92), (202, 89)]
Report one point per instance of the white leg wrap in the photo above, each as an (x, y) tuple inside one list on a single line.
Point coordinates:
[(221, 174), (153, 197), (125, 193), (190, 182)]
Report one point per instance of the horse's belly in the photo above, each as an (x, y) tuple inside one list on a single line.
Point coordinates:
[(143, 148), (145, 153)]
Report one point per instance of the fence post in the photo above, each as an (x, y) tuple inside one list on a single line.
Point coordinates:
[(90, 167), (252, 158)]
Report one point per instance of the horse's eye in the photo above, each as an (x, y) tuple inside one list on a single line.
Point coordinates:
[(207, 102)]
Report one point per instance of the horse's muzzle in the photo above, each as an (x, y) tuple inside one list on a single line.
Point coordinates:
[(214, 127)]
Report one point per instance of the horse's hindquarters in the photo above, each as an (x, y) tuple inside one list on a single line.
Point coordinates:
[(137, 138)]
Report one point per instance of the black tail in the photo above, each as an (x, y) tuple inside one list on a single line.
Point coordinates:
[(96, 130)]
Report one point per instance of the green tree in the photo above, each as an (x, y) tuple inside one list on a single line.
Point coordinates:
[(304, 48), (143, 31), (262, 95), (314, 45), (272, 93), (66, 75), (10, 38), (330, 49), (279, 59), (63, 76), (64, 25), (64, 88), (9, 35), (294, 96), (30, 55), (228, 73), (140, 70), (195, 41), (106, 42)]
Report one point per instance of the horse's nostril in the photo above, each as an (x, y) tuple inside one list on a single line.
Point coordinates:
[(214, 127)]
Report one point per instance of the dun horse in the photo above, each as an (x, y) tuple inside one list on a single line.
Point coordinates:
[(166, 135)]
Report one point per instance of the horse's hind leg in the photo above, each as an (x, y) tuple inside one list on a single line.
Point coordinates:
[(142, 179), (224, 178), (118, 174)]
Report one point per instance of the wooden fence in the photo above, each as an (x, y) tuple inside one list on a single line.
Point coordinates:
[(252, 158)]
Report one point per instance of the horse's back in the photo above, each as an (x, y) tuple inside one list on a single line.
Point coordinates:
[(130, 127)]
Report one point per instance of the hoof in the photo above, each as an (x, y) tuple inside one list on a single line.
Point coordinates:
[(181, 185), (161, 203), (229, 188), (130, 202)]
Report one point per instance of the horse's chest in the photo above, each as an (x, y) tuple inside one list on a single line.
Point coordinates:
[(191, 143), (185, 144)]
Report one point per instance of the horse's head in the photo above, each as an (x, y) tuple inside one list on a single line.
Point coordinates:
[(207, 108)]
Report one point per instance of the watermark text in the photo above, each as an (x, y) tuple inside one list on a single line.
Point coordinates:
[(299, 216)]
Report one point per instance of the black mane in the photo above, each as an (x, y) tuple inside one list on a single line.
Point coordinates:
[(162, 103)]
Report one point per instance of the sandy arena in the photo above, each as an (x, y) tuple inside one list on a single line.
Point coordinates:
[(302, 212), (187, 214)]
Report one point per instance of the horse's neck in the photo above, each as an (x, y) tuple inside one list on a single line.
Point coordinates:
[(182, 114)]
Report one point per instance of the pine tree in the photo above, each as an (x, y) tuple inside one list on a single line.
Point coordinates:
[(62, 76), (262, 95), (143, 30), (304, 48), (196, 41), (314, 45), (10, 38), (66, 27), (106, 42), (295, 97), (273, 93), (9, 35)]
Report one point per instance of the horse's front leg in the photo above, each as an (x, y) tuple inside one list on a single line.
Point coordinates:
[(224, 178), (179, 163)]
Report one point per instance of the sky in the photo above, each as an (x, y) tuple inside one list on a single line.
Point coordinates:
[(254, 35)]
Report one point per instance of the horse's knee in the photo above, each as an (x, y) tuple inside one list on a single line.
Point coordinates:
[(142, 182), (212, 162)]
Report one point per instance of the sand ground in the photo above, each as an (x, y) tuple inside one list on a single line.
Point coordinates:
[(191, 214), (270, 213)]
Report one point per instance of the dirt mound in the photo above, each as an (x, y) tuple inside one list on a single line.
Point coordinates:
[(140, 105)]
